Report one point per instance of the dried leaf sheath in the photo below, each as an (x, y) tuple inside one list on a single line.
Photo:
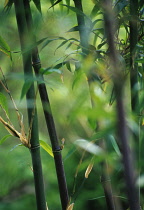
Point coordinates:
[(15, 133)]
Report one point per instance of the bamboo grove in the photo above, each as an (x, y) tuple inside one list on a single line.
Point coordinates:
[(90, 97)]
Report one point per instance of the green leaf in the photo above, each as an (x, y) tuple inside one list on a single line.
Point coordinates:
[(4, 47), (3, 102), (37, 4), (8, 4), (50, 71), (102, 134), (79, 12), (75, 28), (68, 66), (140, 60), (74, 9), (114, 144), (4, 138), (63, 43), (58, 1), (49, 41), (46, 147), (120, 6), (95, 11), (89, 146), (25, 88)]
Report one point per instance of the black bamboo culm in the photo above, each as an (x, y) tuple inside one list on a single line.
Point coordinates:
[(118, 80), (35, 147), (84, 37), (47, 112), (133, 65)]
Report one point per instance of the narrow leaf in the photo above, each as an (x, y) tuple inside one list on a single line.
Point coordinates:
[(50, 71), (37, 4), (25, 88), (75, 28), (89, 146), (58, 1), (4, 138), (46, 147), (4, 47)]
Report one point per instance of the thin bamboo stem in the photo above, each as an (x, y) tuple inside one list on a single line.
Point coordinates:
[(118, 80), (30, 96), (85, 45), (47, 112), (133, 65)]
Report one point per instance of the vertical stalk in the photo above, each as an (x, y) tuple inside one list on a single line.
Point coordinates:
[(82, 28), (133, 65), (105, 179), (118, 80), (30, 96), (47, 112)]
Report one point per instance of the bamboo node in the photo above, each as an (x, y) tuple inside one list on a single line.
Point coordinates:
[(35, 147)]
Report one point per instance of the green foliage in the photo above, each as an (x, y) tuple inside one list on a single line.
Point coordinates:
[(4, 139), (82, 97), (46, 147), (4, 47)]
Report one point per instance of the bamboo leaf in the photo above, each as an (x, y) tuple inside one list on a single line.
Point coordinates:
[(8, 5), (25, 88), (4, 47), (89, 146), (50, 71), (70, 207), (46, 147), (37, 4), (120, 6), (74, 9), (63, 43), (58, 1), (114, 144), (75, 28), (49, 41), (4, 138)]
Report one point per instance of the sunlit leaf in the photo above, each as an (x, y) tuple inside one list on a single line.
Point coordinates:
[(4, 47), (70, 207), (58, 1), (89, 146), (50, 71), (4, 138), (114, 144), (46, 147)]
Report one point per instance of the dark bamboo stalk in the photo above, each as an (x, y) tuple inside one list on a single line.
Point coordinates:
[(47, 112), (133, 65), (118, 80), (30, 96), (105, 179)]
